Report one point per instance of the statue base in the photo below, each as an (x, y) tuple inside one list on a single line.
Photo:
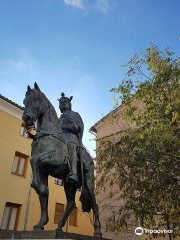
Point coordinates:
[(45, 235)]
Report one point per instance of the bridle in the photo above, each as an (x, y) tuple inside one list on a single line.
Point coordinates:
[(34, 118)]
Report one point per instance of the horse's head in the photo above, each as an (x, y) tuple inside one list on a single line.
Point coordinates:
[(35, 105)]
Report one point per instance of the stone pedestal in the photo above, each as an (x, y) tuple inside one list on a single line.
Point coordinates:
[(45, 235)]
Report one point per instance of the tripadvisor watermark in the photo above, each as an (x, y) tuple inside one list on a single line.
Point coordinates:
[(140, 231)]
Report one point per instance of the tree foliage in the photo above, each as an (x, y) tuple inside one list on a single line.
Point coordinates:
[(143, 162)]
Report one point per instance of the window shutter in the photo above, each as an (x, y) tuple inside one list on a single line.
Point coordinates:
[(21, 131), (13, 218), (15, 164), (59, 209), (59, 182), (21, 166), (5, 218), (10, 216), (25, 135), (73, 218)]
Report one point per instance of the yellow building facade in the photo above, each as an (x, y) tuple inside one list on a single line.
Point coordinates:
[(19, 204)]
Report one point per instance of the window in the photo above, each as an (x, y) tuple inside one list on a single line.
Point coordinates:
[(73, 218), (59, 182), (23, 131), (19, 164), (10, 216), (59, 209)]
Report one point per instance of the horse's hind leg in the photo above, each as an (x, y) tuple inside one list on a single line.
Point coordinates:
[(90, 186), (70, 191), (44, 205)]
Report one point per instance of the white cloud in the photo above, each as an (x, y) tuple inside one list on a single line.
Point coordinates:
[(75, 3), (16, 74), (19, 64), (103, 5), (88, 5)]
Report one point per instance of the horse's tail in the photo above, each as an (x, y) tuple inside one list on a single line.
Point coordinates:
[(85, 200), (87, 177)]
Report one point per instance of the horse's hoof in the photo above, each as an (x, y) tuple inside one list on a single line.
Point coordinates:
[(72, 178), (40, 225), (36, 228), (98, 234), (59, 229)]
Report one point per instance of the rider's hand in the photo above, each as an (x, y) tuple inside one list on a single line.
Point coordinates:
[(72, 127)]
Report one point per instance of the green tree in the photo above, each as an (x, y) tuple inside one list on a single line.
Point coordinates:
[(143, 163)]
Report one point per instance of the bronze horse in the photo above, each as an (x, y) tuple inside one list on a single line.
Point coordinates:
[(50, 157)]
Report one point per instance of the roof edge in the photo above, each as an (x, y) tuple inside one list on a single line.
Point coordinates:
[(11, 102), (93, 128)]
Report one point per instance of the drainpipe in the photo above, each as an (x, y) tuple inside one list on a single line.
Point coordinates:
[(67, 225), (28, 203)]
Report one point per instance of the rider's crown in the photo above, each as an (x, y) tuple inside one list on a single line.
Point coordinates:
[(63, 97), (64, 102)]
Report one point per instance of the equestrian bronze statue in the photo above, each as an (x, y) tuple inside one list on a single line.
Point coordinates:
[(57, 151)]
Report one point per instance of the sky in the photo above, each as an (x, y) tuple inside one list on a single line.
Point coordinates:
[(78, 47)]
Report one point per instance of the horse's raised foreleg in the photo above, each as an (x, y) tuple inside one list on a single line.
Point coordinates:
[(90, 186), (70, 191), (37, 162), (44, 205), (35, 170)]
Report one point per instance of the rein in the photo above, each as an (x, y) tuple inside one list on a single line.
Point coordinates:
[(44, 133), (32, 136)]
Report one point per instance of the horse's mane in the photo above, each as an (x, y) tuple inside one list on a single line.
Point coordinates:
[(52, 112)]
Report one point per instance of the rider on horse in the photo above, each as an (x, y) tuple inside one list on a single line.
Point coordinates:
[(49, 155), (72, 127)]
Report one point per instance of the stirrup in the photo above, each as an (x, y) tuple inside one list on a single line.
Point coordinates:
[(72, 178)]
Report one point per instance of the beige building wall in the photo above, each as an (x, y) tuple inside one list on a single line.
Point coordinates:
[(105, 128), (16, 189)]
